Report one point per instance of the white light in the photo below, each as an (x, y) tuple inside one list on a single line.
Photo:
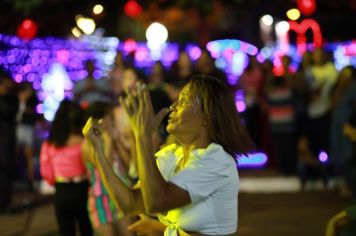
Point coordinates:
[(76, 32), (267, 20), (87, 25), (282, 27), (156, 34), (97, 9)]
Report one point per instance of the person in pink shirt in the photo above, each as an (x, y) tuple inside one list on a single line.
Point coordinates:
[(61, 165)]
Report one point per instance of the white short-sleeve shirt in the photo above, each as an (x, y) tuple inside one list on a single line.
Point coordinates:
[(211, 178)]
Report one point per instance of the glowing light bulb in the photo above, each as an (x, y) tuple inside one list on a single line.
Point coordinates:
[(156, 34), (267, 20), (293, 14), (98, 9)]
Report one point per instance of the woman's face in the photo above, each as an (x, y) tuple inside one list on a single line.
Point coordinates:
[(186, 117)]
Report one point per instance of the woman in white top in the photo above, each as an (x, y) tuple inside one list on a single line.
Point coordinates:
[(191, 185)]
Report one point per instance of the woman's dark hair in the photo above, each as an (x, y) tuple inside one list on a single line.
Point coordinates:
[(98, 110), (69, 119), (220, 113)]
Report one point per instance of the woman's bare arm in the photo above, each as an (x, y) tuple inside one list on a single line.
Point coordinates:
[(125, 198)]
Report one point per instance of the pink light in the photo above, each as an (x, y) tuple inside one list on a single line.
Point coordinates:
[(241, 106), (260, 58), (141, 54), (350, 50), (194, 53), (323, 156), (62, 56), (18, 78), (130, 45), (39, 108)]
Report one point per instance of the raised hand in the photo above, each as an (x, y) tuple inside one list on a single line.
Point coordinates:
[(139, 108), (92, 131)]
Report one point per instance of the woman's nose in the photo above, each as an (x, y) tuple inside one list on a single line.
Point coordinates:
[(173, 106)]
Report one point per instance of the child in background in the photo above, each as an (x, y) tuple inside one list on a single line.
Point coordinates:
[(106, 219)]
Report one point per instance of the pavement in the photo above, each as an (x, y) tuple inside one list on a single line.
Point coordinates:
[(278, 212)]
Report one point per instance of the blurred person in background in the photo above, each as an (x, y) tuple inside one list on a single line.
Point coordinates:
[(251, 82), (157, 76), (106, 219), (281, 115), (349, 130), (343, 100), (115, 75), (8, 109), (26, 120), (323, 77), (62, 165), (205, 65), (89, 89), (181, 70)]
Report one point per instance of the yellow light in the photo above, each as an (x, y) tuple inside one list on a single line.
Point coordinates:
[(76, 32), (97, 9), (87, 25), (293, 14)]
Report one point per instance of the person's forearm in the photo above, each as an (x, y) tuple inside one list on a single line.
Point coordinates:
[(153, 185), (126, 199)]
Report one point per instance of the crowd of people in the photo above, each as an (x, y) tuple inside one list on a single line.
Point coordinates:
[(304, 120)]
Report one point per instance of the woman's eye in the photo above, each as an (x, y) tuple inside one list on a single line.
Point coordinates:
[(182, 102)]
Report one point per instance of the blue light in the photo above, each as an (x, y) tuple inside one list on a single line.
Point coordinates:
[(253, 160)]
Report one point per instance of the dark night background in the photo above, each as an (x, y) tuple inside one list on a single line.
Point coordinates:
[(186, 20)]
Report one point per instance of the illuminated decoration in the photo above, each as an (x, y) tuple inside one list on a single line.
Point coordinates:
[(98, 9), (130, 45), (301, 29), (156, 34), (240, 101), (253, 160), (293, 14), (76, 32), (105, 52), (87, 25), (323, 157), (344, 54), (282, 28), (307, 7), (55, 84), (231, 56), (193, 51), (27, 30), (266, 23), (132, 8), (267, 20)]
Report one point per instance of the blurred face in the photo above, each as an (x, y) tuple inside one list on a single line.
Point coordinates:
[(186, 117), (129, 79)]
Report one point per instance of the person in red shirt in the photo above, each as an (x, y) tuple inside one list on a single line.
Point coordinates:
[(61, 165)]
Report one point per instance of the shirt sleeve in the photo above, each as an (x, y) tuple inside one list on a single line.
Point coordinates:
[(46, 167), (203, 177)]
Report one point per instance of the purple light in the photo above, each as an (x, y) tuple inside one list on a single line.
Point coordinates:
[(323, 156), (39, 108), (18, 78), (62, 56), (194, 52)]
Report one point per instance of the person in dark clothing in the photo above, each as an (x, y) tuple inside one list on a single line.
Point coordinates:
[(26, 119), (349, 130), (8, 110)]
